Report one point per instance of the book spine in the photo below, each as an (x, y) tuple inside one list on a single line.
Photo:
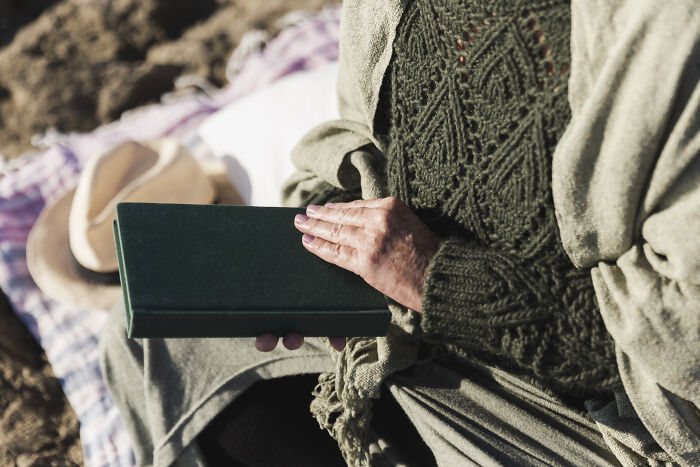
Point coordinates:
[(122, 274), (158, 324)]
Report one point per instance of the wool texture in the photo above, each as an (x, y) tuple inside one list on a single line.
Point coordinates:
[(324, 193), (472, 107)]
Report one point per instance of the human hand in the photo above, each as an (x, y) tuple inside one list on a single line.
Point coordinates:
[(381, 240), (292, 341)]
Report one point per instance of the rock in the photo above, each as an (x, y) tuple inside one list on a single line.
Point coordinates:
[(61, 70), (128, 87), (82, 63), (42, 460), (53, 71), (205, 48), (14, 14)]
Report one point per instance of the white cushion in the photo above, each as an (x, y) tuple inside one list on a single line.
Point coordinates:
[(256, 134)]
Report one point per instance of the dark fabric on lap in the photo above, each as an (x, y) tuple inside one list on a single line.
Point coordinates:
[(270, 424)]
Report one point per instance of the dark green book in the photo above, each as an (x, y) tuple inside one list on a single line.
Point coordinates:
[(234, 271)]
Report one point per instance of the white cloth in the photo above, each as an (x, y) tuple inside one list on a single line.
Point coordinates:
[(256, 134)]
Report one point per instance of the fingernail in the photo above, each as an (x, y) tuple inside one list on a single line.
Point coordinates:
[(306, 238), (329, 205), (312, 208), (300, 219)]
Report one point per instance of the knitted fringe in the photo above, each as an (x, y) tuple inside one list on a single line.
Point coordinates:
[(342, 402), (342, 408)]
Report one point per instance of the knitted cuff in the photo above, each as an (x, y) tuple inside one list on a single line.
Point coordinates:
[(499, 308), (328, 193), (470, 293)]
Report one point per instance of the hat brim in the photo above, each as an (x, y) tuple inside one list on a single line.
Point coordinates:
[(52, 265)]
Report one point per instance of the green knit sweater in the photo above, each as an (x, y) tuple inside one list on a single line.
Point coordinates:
[(472, 107)]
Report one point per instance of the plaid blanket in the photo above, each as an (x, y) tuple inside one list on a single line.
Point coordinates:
[(69, 334)]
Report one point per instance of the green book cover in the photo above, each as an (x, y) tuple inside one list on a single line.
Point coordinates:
[(234, 271)]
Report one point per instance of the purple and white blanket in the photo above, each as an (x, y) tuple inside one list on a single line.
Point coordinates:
[(69, 334)]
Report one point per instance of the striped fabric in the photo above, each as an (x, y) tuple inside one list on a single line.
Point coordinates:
[(69, 334)]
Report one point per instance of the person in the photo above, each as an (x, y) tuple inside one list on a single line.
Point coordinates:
[(506, 220)]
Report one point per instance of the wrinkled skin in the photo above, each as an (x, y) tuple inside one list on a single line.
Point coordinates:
[(381, 240)]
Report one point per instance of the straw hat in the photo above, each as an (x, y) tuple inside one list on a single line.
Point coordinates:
[(70, 250)]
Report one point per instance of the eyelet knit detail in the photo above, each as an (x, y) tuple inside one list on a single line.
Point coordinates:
[(476, 92)]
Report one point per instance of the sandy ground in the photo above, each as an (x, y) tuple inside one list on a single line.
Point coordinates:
[(74, 65), (81, 63), (37, 426)]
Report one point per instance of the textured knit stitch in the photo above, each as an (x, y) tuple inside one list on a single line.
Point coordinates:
[(477, 99), (327, 193)]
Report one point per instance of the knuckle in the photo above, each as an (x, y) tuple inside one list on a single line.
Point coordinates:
[(373, 252), (372, 257), (383, 221), (346, 213), (378, 239), (351, 261), (336, 232), (375, 241), (393, 202), (335, 250)]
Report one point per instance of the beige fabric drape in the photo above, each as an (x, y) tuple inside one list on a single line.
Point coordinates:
[(626, 185)]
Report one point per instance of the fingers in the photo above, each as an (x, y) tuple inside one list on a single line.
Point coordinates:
[(293, 341), (268, 342), (357, 217), (340, 255), (334, 233), (338, 343)]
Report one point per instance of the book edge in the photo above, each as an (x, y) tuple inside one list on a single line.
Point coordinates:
[(123, 278), (225, 323)]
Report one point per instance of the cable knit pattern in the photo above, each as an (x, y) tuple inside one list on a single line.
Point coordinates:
[(477, 98)]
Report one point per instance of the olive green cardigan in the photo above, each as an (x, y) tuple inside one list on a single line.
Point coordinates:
[(626, 186)]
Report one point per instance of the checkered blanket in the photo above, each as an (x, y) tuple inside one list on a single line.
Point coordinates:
[(69, 334)]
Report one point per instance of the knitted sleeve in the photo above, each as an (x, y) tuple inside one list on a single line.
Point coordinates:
[(535, 318), (327, 193)]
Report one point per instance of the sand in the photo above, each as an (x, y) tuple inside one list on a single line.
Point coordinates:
[(37, 426), (73, 65), (81, 63)]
